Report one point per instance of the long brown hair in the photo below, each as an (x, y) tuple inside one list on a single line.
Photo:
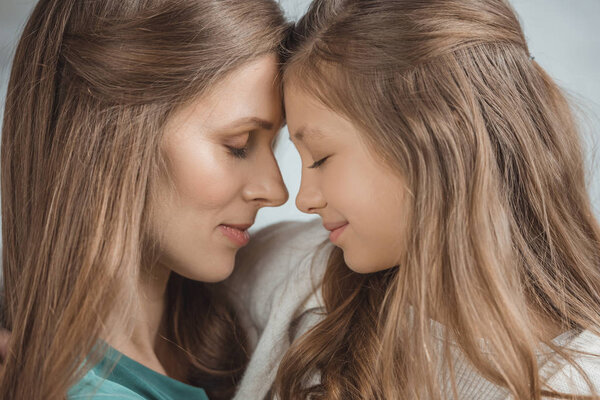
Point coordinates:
[(501, 239), (91, 87)]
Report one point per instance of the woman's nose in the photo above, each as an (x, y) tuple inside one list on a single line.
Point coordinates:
[(266, 185)]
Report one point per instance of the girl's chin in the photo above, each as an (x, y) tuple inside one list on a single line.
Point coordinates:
[(363, 266)]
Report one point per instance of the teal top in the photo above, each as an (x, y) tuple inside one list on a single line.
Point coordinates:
[(130, 380)]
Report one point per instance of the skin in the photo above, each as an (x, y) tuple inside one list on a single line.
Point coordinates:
[(344, 183), (211, 182)]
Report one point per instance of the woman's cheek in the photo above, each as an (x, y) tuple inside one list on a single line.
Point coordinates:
[(205, 177)]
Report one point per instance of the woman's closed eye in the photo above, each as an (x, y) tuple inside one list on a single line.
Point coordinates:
[(238, 145), (318, 163)]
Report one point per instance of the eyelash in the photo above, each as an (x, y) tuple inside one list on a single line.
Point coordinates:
[(317, 164), (238, 152)]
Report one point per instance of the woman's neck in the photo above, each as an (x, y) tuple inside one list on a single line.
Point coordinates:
[(142, 341)]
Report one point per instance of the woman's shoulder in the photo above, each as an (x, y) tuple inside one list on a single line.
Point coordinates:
[(96, 387), (117, 376)]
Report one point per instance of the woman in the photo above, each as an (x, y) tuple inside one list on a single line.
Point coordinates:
[(136, 151), (447, 167)]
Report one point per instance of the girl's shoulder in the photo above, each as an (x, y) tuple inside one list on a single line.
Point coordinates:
[(282, 264), (276, 291), (282, 244), (568, 378)]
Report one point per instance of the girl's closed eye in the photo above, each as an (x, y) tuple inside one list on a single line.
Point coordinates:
[(238, 152)]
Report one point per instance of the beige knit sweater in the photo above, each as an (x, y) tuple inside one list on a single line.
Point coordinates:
[(277, 278)]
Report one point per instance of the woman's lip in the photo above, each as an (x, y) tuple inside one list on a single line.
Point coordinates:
[(239, 237), (335, 233), (241, 227)]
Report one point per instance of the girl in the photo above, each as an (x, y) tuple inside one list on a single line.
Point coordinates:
[(136, 152), (447, 167)]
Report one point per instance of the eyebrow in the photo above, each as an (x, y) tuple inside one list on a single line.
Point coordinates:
[(301, 133), (254, 121)]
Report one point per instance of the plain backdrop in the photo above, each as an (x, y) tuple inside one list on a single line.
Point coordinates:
[(563, 35)]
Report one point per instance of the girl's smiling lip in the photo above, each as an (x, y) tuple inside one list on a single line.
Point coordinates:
[(336, 228)]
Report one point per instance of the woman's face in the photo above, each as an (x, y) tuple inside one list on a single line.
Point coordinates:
[(222, 171), (359, 200)]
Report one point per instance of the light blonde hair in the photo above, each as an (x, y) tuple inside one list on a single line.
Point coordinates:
[(501, 238), (91, 87)]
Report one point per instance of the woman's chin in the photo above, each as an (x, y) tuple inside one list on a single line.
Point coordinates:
[(218, 269)]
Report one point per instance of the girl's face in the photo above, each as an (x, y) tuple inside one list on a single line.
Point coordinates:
[(222, 171), (359, 200)]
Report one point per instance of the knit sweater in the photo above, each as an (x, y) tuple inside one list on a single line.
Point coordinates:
[(277, 279)]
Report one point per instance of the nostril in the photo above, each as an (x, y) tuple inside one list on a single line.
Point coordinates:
[(303, 207), (310, 200)]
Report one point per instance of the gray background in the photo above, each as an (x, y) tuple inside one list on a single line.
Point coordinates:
[(563, 35)]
